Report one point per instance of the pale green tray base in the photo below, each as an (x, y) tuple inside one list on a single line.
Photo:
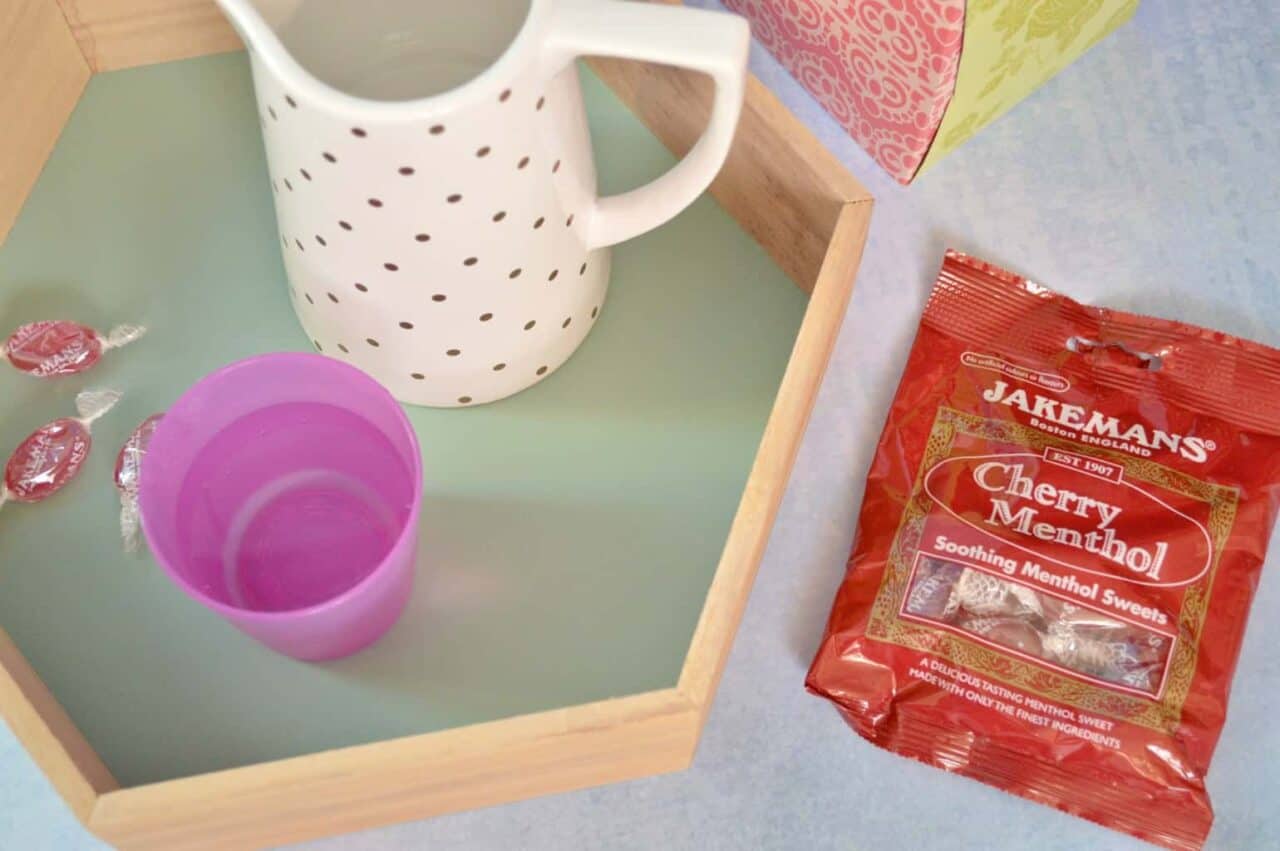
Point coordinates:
[(569, 534)]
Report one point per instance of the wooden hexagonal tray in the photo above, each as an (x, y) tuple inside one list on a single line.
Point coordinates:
[(588, 545)]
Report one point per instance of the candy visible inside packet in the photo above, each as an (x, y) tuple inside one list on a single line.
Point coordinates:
[(1061, 534), (50, 457), (59, 347)]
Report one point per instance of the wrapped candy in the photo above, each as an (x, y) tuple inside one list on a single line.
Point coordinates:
[(127, 476), (1094, 644), (933, 593), (1015, 616), (51, 456), (1013, 632), (984, 594), (59, 347)]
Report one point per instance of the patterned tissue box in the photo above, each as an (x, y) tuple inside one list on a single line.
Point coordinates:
[(913, 79)]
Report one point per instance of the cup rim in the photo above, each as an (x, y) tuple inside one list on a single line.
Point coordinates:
[(403, 537)]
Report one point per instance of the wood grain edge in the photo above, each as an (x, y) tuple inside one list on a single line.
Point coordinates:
[(42, 75), (779, 182), (749, 534), (48, 733), (115, 34), (404, 779)]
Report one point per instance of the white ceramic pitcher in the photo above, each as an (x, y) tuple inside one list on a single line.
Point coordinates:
[(433, 177)]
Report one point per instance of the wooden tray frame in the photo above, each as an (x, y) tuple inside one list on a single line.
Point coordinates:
[(780, 184)]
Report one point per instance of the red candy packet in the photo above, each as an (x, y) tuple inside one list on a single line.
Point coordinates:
[(1062, 530)]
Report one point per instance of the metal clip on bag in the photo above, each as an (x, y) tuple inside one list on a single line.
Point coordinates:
[(1063, 527)]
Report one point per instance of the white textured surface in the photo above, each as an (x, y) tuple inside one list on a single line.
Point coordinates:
[(1144, 177)]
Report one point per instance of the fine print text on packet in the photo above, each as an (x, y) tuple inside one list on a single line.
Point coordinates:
[(1062, 527)]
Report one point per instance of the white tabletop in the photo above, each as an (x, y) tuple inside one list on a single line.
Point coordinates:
[(1143, 177)]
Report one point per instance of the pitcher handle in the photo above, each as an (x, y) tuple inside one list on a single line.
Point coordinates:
[(714, 43)]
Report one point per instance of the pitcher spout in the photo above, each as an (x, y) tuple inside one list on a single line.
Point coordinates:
[(256, 21), (259, 24), (375, 53)]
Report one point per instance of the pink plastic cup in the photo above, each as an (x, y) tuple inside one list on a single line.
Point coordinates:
[(282, 492)]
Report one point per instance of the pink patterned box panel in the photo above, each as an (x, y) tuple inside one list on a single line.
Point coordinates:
[(885, 69)]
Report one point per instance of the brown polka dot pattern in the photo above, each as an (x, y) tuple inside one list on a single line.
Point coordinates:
[(422, 266)]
